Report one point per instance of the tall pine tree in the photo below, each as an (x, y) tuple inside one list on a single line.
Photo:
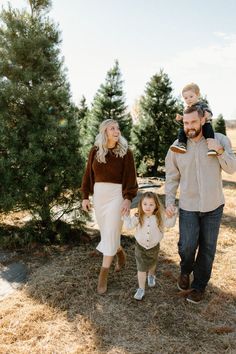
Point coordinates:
[(156, 128), (40, 163), (109, 103)]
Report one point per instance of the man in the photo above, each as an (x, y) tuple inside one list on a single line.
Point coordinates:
[(201, 200)]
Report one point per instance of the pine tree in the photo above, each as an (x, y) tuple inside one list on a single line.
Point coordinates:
[(219, 125), (156, 128), (83, 117), (83, 110), (109, 103), (40, 163)]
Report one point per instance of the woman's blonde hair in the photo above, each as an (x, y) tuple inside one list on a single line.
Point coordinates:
[(158, 212), (101, 142), (192, 87)]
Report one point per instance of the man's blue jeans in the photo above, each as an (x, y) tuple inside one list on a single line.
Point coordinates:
[(197, 243)]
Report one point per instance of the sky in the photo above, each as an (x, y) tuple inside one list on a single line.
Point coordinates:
[(192, 41)]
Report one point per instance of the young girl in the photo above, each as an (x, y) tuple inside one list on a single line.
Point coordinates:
[(149, 226), (191, 96)]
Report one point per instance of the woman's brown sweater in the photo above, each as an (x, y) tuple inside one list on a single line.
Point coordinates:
[(119, 170)]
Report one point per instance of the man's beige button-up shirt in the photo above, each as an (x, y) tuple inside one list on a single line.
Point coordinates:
[(198, 175)]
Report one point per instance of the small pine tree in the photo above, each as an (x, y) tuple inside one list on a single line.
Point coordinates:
[(38, 122), (83, 110), (109, 103), (83, 116), (219, 125), (156, 129)]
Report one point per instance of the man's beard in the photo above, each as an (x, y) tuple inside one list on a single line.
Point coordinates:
[(193, 133)]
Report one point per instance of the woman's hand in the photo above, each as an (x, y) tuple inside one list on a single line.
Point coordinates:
[(125, 208), (86, 205)]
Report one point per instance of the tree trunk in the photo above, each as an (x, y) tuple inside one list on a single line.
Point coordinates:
[(49, 232)]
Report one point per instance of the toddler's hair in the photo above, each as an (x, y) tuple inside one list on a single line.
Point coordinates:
[(192, 87), (158, 212)]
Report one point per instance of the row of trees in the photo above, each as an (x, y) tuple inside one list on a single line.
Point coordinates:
[(155, 129), (45, 138)]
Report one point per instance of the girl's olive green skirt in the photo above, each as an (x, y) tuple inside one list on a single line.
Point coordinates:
[(146, 259)]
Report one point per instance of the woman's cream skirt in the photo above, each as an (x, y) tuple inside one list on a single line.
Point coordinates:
[(107, 201)]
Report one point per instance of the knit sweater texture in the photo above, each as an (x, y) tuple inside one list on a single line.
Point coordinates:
[(120, 170)]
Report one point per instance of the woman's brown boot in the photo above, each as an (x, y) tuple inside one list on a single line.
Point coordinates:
[(102, 281), (121, 259)]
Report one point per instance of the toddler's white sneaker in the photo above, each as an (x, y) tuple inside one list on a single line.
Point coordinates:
[(151, 281), (139, 294)]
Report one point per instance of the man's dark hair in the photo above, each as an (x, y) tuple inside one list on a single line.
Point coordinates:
[(194, 108)]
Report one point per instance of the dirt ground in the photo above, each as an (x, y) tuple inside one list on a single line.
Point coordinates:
[(58, 311)]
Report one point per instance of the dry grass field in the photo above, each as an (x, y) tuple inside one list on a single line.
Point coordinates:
[(59, 312)]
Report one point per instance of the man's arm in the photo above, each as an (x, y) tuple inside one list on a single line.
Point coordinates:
[(226, 157), (172, 179)]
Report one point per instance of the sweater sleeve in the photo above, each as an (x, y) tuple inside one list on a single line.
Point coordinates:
[(88, 177), (130, 222), (170, 222), (129, 179), (172, 178), (228, 159)]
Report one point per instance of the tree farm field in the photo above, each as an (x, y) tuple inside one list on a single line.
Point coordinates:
[(58, 311)]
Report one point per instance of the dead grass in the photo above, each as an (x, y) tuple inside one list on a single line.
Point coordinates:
[(59, 312)]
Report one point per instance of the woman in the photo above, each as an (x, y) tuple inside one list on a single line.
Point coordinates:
[(110, 177)]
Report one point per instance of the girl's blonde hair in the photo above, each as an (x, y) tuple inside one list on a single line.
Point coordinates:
[(158, 212), (101, 142), (192, 87)]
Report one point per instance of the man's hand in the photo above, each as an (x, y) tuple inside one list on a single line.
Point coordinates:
[(170, 211), (86, 205), (213, 144), (125, 208)]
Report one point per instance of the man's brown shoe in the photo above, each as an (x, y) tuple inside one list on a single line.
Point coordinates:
[(183, 282), (195, 296)]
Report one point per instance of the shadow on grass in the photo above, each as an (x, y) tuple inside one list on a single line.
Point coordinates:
[(116, 323), (33, 233), (162, 323), (229, 220)]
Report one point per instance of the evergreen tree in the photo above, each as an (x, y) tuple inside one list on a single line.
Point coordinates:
[(219, 125), (109, 103), (156, 129), (83, 110), (39, 134), (83, 116)]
